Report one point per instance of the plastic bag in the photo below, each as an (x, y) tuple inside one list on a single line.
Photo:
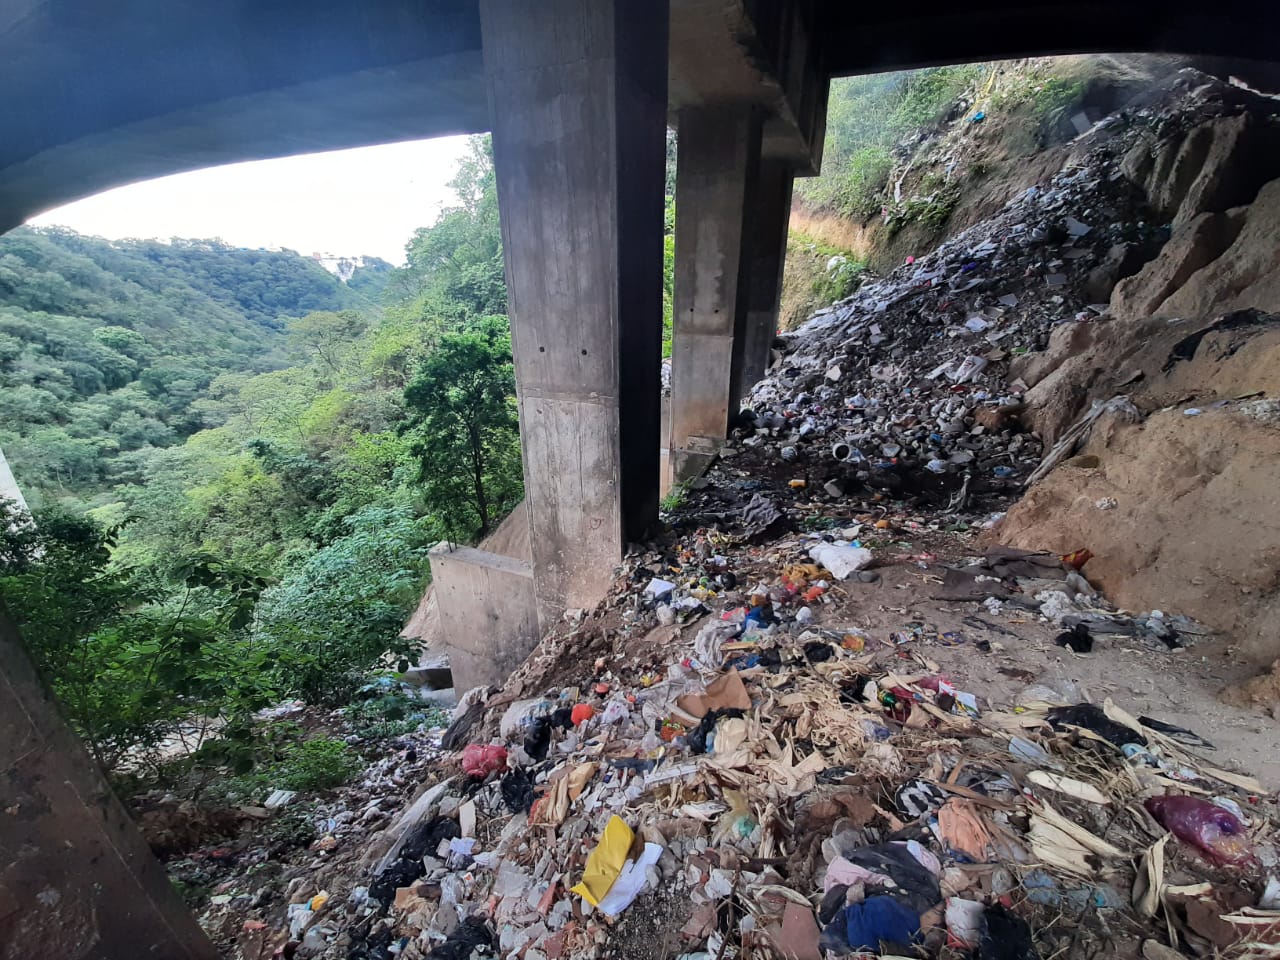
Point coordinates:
[(738, 821), (480, 760), (1215, 832)]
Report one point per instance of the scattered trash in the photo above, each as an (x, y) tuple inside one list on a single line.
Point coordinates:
[(1077, 638), (279, 798), (480, 760), (842, 561), (1093, 718), (1209, 828)]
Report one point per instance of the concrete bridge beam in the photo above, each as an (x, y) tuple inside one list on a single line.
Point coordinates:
[(578, 98)]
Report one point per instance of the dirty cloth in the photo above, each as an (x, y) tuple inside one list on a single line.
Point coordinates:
[(879, 920), (964, 829), (917, 882), (1093, 718)]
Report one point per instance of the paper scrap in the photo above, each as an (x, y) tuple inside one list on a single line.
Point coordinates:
[(605, 862)]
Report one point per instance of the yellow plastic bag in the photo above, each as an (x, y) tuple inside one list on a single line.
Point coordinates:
[(605, 862)]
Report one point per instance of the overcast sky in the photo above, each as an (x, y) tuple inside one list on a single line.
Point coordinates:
[(348, 202)]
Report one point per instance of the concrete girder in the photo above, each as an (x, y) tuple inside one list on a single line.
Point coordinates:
[(753, 52)]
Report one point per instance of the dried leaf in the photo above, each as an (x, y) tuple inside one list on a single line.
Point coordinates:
[(1146, 887), (1066, 785)]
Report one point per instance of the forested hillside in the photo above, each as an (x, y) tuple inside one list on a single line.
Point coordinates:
[(108, 349), (239, 463), (911, 157)]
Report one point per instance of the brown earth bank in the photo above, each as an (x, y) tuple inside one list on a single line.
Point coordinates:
[(1181, 509)]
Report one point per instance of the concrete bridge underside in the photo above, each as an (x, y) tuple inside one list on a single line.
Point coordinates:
[(578, 95)]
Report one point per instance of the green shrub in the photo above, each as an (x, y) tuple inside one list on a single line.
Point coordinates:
[(130, 665), (834, 273), (392, 715), (290, 829), (333, 618), (317, 764), (932, 211), (858, 187), (321, 763), (1057, 93), (675, 497)]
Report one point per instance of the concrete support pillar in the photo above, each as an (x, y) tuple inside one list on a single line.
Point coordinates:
[(76, 878), (578, 99), (9, 489), (767, 252), (716, 177)]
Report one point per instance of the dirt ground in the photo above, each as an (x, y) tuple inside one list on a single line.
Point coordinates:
[(1182, 687)]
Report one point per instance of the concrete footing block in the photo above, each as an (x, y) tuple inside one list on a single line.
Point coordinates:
[(488, 613)]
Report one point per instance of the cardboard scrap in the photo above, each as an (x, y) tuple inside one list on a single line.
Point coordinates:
[(799, 937), (724, 693), (566, 786)]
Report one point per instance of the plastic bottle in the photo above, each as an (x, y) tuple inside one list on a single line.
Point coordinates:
[(1213, 831)]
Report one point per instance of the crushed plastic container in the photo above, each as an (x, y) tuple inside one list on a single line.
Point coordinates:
[(1215, 832)]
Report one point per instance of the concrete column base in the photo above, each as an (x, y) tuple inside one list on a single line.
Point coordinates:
[(578, 99), (488, 612), (76, 878)]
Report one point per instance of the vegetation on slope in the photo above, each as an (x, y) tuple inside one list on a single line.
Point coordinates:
[(264, 468), (911, 156)]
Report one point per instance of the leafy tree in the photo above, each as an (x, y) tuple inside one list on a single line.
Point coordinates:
[(462, 415), (455, 267), (340, 611), (129, 666), (326, 336)]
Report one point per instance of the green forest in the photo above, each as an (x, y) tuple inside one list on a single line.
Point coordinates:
[(237, 463)]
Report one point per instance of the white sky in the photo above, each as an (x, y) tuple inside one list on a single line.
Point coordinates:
[(348, 202)]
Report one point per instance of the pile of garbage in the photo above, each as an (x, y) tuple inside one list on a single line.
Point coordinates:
[(755, 778), (905, 386), (724, 760)]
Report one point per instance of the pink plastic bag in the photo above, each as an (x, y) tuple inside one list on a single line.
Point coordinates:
[(1213, 831), (479, 760)]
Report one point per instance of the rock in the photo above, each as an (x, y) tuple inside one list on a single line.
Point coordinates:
[(1199, 242), (1245, 274)]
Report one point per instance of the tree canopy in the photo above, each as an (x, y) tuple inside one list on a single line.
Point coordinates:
[(239, 462)]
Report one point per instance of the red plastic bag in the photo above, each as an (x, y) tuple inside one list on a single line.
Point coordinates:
[(480, 760), (1212, 830)]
